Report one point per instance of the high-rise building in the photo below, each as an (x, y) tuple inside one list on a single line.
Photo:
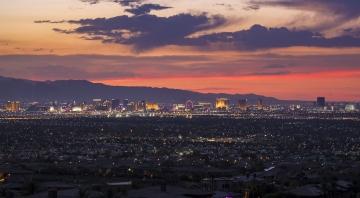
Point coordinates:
[(222, 103), (97, 102), (12, 106), (125, 104), (131, 106), (321, 102), (242, 104), (101, 105), (54, 103), (141, 105), (260, 104), (107, 105), (115, 104)]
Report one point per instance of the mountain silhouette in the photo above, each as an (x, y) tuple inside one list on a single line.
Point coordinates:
[(82, 90)]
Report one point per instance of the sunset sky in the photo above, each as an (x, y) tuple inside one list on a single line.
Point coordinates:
[(289, 49)]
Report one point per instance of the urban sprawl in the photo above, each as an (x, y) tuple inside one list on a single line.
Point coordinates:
[(140, 149)]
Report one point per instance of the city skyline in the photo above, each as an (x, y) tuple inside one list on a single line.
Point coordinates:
[(285, 49), (180, 98)]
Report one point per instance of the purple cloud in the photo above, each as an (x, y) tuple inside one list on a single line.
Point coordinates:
[(146, 31), (145, 9)]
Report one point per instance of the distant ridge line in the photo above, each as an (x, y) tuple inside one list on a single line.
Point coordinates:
[(84, 90)]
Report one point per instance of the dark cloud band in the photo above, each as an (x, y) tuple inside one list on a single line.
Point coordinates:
[(145, 31), (145, 9), (149, 31)]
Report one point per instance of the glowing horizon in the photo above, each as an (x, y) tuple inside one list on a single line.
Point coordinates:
[(283, 50)]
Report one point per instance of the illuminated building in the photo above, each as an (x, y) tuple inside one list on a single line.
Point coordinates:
[(350, 107), (242, 104), (222, 103), (107, 104), (295, 107), (150, 106), (83, 106), (125, 102), (131, 106), (140, 106), (36, 107), (76, 109), (101, 105), (52, 109), (202, 106), (260, 104), (97, 101), (320, 102), (12, 106), (3, 177), (178, 107), (189, 105), (97, 104)]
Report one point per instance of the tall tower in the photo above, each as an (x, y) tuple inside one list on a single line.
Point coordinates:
[(260, 104), (242, 104), (115, 104), (321, 102)]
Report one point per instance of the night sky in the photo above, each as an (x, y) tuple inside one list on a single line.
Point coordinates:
[(289, 49)]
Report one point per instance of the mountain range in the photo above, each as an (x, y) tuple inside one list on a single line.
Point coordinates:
[(83, 90)]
